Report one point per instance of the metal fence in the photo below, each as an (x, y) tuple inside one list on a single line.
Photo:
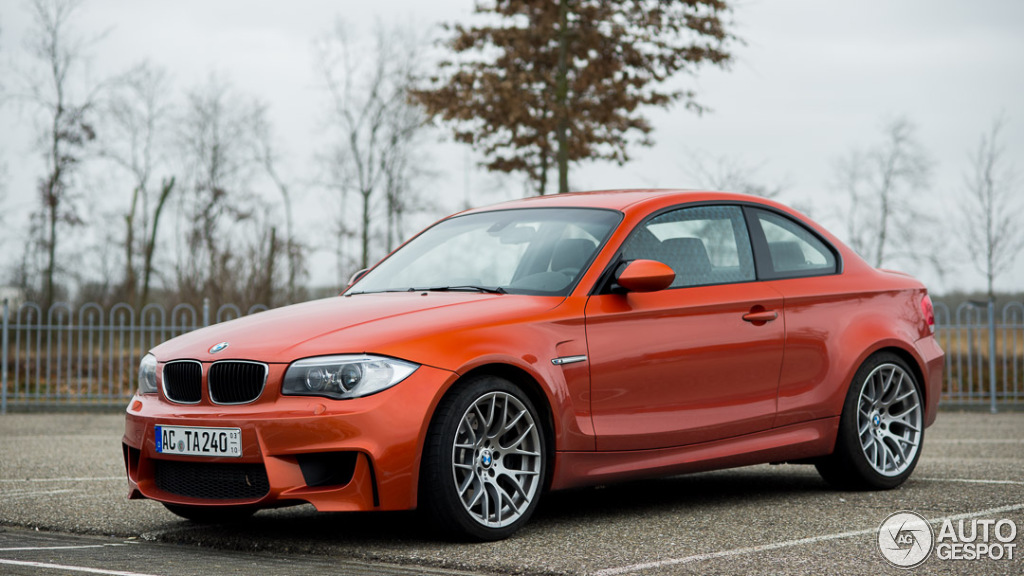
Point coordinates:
[(984, 348), (90, 356)]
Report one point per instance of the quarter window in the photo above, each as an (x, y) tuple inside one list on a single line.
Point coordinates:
[(794, 250), (704, 245)]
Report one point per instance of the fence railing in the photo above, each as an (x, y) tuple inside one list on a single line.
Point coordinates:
[(90, 356), (984, 352)]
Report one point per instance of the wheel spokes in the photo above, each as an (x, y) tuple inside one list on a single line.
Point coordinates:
[(496, 459), (889, 419)]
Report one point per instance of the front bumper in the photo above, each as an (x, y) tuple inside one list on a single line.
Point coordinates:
[(338, 455)]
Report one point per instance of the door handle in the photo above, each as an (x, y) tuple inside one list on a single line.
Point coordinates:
[(763, 316)]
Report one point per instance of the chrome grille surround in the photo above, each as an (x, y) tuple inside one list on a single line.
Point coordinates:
[(182, 381)]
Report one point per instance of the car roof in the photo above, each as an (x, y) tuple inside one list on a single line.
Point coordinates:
[(621, 199)]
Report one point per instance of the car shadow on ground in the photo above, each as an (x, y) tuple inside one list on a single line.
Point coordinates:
[(707, 490), (301, 529)]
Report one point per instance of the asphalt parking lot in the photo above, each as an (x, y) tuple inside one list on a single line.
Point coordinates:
[(63, 510)]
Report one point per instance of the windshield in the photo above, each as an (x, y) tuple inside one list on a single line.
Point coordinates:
[(524, 251)]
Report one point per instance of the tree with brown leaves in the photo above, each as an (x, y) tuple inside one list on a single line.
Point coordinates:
[(549, 82)]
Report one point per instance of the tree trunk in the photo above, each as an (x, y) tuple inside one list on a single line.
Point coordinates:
[(51, 246), (53, 202), (543, 176), (268, 279), (147, 267), (562, 97), (365, 262), (129, 248)]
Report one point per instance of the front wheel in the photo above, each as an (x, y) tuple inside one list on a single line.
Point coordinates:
[(484, 461), (881, 428)]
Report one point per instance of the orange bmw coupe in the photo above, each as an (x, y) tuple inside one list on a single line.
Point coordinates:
[(543, 344)]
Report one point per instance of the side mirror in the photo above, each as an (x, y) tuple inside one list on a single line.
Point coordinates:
[(357, 276), (645, 276)]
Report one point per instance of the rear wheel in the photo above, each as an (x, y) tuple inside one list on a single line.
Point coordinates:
[(484, 461), (211, 514), (881, 428)]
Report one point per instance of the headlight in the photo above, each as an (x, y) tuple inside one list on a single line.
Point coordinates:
[(147, 375), (344, 376)]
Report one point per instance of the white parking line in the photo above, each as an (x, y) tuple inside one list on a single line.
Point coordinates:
[(786, 544), (23, 494), (78, 547), (84, 479), (971, 481), (67, 568), (976, 440)]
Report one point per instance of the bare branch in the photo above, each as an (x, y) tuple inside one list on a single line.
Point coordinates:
[(882, 186), (728, 174), (373, 122), (66, 131), (993, 227)]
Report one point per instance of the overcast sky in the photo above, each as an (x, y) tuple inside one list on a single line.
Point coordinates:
[(813, 80)]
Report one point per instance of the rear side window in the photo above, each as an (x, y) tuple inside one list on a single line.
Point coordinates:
[(793, 249), (704, 245)]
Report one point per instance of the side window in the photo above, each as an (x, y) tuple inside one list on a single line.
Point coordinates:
[(794, 250), (704, 245)]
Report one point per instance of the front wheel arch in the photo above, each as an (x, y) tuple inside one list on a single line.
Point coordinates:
[(437, 499), (529, 385)]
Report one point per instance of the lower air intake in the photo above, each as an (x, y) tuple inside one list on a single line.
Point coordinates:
[(212, 481)]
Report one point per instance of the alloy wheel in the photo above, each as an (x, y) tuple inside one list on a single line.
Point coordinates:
[(496, 459), (889, 419)]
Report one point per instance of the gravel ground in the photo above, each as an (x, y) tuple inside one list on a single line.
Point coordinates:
[(63, 473)]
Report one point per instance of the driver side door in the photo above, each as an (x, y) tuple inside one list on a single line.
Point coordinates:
[(698, 361)]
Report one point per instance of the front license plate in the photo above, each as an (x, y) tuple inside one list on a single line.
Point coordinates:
[(193, 441)]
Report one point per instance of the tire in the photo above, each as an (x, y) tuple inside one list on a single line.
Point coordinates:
[(211, 514), (484, 461), (881, 429)]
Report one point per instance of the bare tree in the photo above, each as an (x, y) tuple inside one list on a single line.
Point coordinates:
[(405, 171), (992, 223), (369, 98), (215, 142), (728, 174), (138, 112), (882, 186), (66, 128), (3, 164), (269, 158)]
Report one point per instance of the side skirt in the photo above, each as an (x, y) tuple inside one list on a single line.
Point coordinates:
[(788, 443)]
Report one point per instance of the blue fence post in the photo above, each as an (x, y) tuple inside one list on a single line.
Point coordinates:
[(3, 368), (992, 352), (206, 312)]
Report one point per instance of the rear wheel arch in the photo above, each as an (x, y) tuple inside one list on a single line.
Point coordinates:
[(915, 367), (902, 353), (895, 424)]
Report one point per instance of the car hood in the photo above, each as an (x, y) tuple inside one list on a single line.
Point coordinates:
[(365, 323)]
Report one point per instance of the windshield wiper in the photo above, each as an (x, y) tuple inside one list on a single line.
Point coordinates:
[(464, 288), (379, 291)]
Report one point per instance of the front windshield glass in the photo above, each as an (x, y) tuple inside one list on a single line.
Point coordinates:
[(524, 251)]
